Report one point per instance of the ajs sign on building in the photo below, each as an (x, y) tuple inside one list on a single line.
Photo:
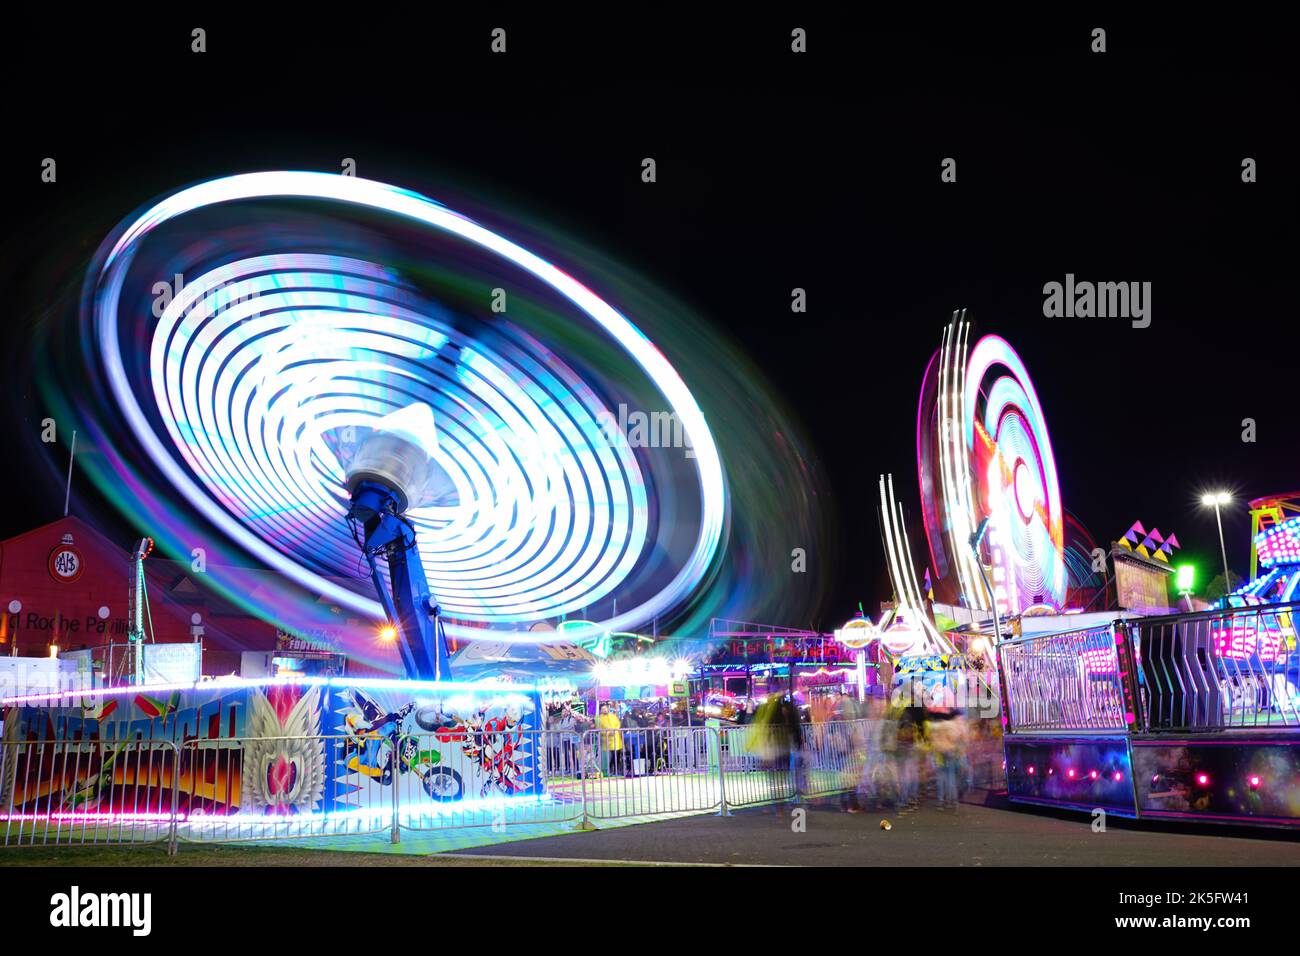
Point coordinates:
[(57, 593), (66, 563)]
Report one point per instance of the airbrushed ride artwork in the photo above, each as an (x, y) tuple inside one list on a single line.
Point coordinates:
[(279, 748)]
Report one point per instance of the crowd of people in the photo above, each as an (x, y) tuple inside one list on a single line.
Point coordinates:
[(914, 745), (910, 746), (631, 740)]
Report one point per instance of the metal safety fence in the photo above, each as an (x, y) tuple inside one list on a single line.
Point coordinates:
[(754, 769), (98, 792), (494, 778), (643, 772), (1069, 681), (88, 792), (256, 788)]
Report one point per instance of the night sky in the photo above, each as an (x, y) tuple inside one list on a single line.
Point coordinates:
[(774, 171)]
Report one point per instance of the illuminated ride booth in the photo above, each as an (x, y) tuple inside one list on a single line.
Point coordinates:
[(343, 413), (1179, 716), (745, 662)]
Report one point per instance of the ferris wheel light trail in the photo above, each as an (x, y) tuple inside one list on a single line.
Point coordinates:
[(995, 470), (267, 372)]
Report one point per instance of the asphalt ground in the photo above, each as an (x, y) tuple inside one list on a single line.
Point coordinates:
[(983, 831)]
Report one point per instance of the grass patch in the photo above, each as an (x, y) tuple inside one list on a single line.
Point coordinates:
[(194, 855)]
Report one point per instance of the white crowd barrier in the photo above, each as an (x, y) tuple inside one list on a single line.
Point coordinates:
[(79, 792), (277, 788)]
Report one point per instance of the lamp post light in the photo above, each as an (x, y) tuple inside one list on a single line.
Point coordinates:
[(15, 608), (1217, 500)]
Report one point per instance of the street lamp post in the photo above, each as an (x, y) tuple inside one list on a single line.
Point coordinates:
[(1217, 500)]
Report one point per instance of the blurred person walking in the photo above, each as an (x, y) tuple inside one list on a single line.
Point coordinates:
[(793, 730), (910, 753), (611, 740), (947, 737), (554, 748), (633, 741), (870, 737)]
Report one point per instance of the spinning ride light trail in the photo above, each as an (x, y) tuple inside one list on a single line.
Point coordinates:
[(983, 451), (902, 572), (270, 371), (275, 371)]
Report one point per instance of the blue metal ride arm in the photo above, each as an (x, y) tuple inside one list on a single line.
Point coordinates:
[(406, 598)]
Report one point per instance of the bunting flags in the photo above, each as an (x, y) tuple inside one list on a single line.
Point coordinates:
[(1149, 544)]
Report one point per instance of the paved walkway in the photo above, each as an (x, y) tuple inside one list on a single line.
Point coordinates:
[(982, 832), (614, 802), (973, 835)]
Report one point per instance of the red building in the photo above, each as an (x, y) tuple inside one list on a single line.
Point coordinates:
[(66, 584)]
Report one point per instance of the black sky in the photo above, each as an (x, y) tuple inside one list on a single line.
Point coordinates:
[(776, 171)]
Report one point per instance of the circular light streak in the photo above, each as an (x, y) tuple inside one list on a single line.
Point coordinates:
[(989, 456), (266, 367), (1026, 496), (1020, 489), (260, 366)]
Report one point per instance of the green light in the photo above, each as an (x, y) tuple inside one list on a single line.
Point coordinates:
[(1186, 578)]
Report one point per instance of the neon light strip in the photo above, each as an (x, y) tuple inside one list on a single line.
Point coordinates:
[(1018, 391), (106, 816), (948, 485), (1001, 418), (955, 479), (938, 641), (212, 821), (234, 683), (550, 515)]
